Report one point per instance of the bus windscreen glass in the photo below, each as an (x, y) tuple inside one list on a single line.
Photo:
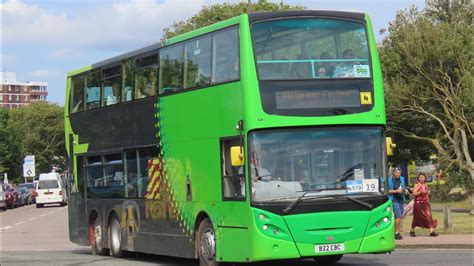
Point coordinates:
[(310, 48), (330, 161)]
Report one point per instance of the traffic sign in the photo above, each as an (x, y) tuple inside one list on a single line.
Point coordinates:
[(29, 166)]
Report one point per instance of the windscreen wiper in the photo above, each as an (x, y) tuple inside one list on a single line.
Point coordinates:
[(298, 200), (293, 204), (360, 202), (350, 171)]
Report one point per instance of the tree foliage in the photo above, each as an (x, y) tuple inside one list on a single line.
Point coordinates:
[(10, 144), (428, 67), (37, 129), (220, 12)]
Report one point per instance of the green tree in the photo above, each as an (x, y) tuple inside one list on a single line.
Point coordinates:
[(41, 128), (219, 12), (428, 67), (10, 158)]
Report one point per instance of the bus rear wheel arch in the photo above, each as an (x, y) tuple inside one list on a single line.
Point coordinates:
[(205, 244)]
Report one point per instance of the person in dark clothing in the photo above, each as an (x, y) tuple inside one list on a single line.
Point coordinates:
[(396, 184)]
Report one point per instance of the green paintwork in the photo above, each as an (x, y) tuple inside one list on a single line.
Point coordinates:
[(78, 148), (356, 230), (204, 30), (190, 125), (79, 71)]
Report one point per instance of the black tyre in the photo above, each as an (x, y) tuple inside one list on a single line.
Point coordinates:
[(39, 205), (115, 238), (327, 260), (205, 243), (95, 237)]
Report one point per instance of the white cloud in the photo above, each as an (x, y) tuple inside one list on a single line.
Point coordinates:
[(66, 53), (114, 26), (44, 74)]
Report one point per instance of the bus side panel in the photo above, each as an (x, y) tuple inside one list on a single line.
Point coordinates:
[(234, 231), (191, 125), (159, 230)]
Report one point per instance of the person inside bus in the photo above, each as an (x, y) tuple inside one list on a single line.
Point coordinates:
[(257, 172), (114, 97), (325, 69), (132, 185), (345, 69), (300, 69)]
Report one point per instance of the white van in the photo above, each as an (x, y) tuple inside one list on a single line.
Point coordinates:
[(49, 189)]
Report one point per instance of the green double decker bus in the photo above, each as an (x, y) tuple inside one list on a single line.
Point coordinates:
[(261, 137)]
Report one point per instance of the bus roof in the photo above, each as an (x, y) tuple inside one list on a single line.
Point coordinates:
[(154, 47), (222, 24), (320, 13)]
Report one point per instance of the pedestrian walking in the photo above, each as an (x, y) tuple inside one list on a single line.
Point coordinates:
[(396, 193), (422, 209)]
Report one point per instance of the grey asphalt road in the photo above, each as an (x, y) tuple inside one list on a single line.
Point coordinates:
[(30, 236)]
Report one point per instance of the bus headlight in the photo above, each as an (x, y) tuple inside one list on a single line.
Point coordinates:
[(386, 220), (265, 227)]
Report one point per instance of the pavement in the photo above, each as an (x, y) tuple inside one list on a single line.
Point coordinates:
[(424, 240)]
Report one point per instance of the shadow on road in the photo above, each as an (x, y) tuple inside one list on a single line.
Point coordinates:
[(165, 260)]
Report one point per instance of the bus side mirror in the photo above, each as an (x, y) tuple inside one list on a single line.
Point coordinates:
[(236, 156), (390, 146)]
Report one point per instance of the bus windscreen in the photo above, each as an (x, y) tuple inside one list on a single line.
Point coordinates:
[(310, 48)]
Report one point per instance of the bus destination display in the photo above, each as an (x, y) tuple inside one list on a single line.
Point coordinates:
[(302, 99)]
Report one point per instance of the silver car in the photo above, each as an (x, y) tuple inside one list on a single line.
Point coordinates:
[(3, 203)]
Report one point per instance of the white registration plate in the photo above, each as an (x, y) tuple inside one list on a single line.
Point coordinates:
[(329, 248)]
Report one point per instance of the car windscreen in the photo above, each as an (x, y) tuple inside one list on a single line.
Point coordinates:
[(27, 186), (48, 184)]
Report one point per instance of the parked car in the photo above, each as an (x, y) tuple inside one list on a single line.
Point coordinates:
[(3, 203), (49, 189), (23, 196), (31, 187), (11, 196)]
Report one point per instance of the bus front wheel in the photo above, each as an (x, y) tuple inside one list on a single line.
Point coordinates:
[(95, 237), (206, 244), (115, 238)]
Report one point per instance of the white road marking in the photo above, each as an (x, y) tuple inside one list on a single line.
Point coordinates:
[(6, 228), (31, 219), (20, 223), (44, 214)]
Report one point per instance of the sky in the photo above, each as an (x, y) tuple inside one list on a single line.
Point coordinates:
[(44, 39)]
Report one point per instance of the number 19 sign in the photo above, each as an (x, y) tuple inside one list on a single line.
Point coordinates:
[(362, 185)]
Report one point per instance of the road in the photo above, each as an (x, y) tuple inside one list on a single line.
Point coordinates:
[(40, 236)]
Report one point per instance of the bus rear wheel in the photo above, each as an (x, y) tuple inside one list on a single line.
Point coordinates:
[(95, 237), (115, 238), (205, 243), (327, 260)]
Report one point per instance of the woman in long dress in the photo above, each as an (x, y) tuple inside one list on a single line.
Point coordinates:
[(422, 208)]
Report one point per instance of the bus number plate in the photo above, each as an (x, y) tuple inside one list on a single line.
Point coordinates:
[(328, 248)]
